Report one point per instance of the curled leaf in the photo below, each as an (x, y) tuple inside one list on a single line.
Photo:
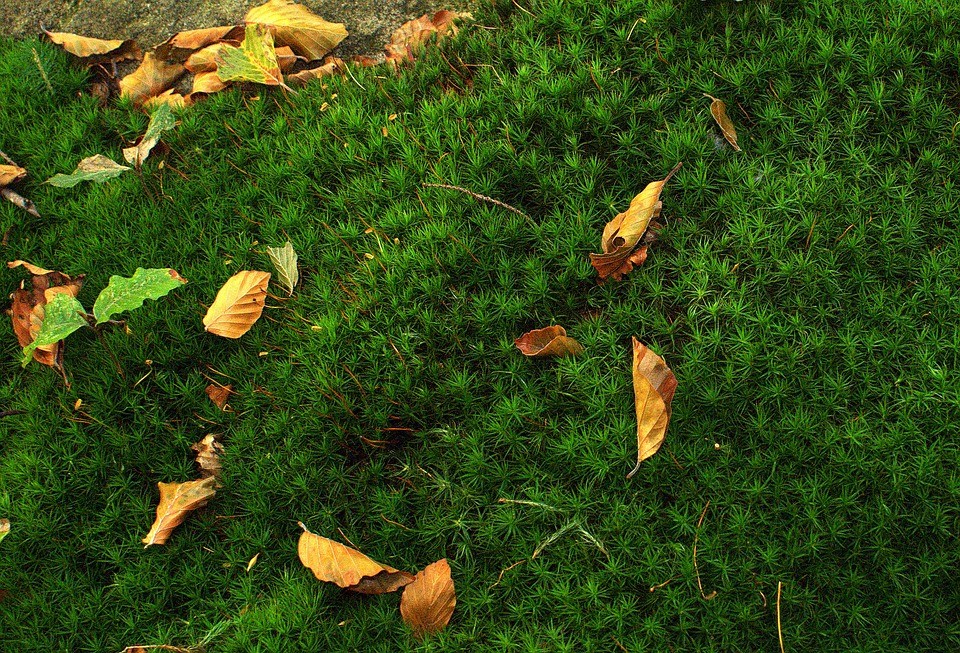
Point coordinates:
[(178, 45), (653, 388), (331, 66), (30, 267), (548, 341), (161, 120), (285, 261), (208, 452), (414, 34), (294, 25), (95, 51), (176, 500), (336, 563), (238, 305), (10, 174), (27, 309), (63, 315), (719, 111), (96, 168), (428, 602)]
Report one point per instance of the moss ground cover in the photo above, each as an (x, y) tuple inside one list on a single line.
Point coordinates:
[(803, 291)]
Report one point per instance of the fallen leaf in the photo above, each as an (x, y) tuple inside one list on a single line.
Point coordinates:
[(176, 500), (63, 315), (153, 77), (11, 174), (31, 268), (252, 562), (653, 388), (294, 25), (336, 563), (548, 341), (428, 602), (286, 58), (161, 120), (125, 294), (95, 51), (208, 456), (415, 33), (627, 230), (219, 394), (331, 66), (169, 97), (719, 110), (285, 261), (238, 305), (206, 83), (254, 61), (204, 61), (96, 168), (180, 43), (27, 309), (4, 528)]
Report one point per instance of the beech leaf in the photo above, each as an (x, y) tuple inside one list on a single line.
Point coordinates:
[(176, 500), (203, 61), (27, 309), (623, 234), (153, 77), (331, 66), (63, 315), (96, 168), (206, 83), (336, 563), (238, 305), (208, 456), (161, 120), (285, 261), (95, 51), (548, 341), (414, 34), (10, 174), (195, 39), (254, 61), (653, 388), (128, 293), (294, 25), (219, 394), (719, 111), (30, 267), (428, 602)]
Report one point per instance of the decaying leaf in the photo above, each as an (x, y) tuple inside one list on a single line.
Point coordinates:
[(153, 77), (27, 309), (653, 389), (294, 25), (285, 261), (219, 394), (627, 231), (286, 58), (161, 120), (95, 51), (333, 562), (96, 168), (176, 500), (719, 111), (181, 43), (4, 528), (254, 61), (208, 456), (415, 33), (548, 341), (238, 305), (205, 84), (30, 267), (11, 174), (428, 602), (169, 97), (63, 315), (204, 61), (331, 66), (127, 293)]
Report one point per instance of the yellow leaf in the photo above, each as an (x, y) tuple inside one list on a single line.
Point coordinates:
[(428, 602), (252, 562), (719, 111), (169, 97), (548, 341), (176, 500), (10, 174), (295, 25), (238, 305), (333, 562), (206, 83), (149, 80), (95, 50), (254, 61), (653, 388)]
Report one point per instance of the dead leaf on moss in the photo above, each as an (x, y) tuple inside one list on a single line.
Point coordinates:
[(11, 174), (27, 308), (548, 341), (219, 394), (96, 51), (153, 77), (654, 385), (208, 452), (254, 61), (331, 66), (176, 501), (287, 59), (336, 563), (414, 34), (719, 111), (294, 25), (238, 305), (180, 44), (428, 602), (169, 97)]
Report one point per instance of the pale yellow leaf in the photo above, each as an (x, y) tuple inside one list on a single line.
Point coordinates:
[(238, 305), (293, 24), (653, 387), (333, 562), (176, 500)]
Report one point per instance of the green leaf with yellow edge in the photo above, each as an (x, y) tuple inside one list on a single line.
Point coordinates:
[(161, 120), (125, 294), (63, 315), (97, 168), (254, 61), (285, 261)]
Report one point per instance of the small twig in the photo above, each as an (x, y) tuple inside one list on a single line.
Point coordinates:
[(810, 234), (395, 523), (779, 630), (553, 538), (8, 159), (654, 588), (503, 571), (483, 198), (20, 201), (619, 645), (696, 569)]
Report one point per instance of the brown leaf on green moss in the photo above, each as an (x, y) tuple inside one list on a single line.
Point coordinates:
[(346, 567), (428, 602), (415, 34), (654, 385), (718, 109), (177, 500), (95, 51), (548, 341), (150, 79), (27, 308)]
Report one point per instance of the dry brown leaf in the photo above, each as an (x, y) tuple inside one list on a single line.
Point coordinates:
[(428, 602), (286, 58), (27, 309), (30, 267), (548, 341), (204, 61), (176, 500), (208, 456), (238, 305), (219, 394), (95, 51), (415, 33), (653, 388), (331, 66), (153, 77), (629, 230), (171, 97), (294, 25), (178, 45), (206, 83), (11, 174), (336, 563), (719, 111)]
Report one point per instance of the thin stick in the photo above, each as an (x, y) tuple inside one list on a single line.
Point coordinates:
[(20, 201), (8, 159), (483, 198), (654, 588), (779, 630), (503, 571), (11, 413), (619, 645), (529, 503), (696, 569)]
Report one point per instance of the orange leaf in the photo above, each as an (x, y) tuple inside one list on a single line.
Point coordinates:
[(294, 25), (10, 174), (653, 388), (333, 562), (153, 77), (194, 39), (206, 83), (719, 111), (427, 603), (548, 341), (286, 58), (31, 268), (176, 500), (95, 51), (624, 233), (415, 33), (204, 61), (238, 305), (208, 456), (331, 66), (219, 394)]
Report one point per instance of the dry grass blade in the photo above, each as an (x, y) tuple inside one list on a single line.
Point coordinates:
[(238, 305)]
